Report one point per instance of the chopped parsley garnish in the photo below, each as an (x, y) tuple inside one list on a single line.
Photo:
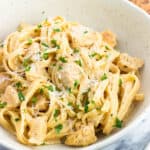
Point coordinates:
[(107, 56), (107, 47), (93, 54), (18, 85), (56, 113), (54, 43), (69, 104), (28, 68), (68, 90), (26, 64), (45, 56), (21, 96), (78, 62), (76, 83), (57, 30), (63, 59), (50, 88), (58, 128), (41, 90), (17, 119), (3, 104), (104, 77), (75, 50), (118, 123), (86, 108), (39, 26), (30, 41), (34, 100), (120, 82), (93, 102), (44, 44), (60, 67), (85, 32)]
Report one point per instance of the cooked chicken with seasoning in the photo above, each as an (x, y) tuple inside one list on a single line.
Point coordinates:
[(62, 82)]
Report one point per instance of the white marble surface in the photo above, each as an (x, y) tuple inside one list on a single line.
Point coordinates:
[(137, 139)]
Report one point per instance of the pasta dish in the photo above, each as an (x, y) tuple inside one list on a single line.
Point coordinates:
[(62, 82)]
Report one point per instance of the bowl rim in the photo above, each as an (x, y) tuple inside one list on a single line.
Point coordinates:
[(124, 130)]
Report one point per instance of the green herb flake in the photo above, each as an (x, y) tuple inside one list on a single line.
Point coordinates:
[(27, 68), (21, 96), (118, 123), (86, 108), (58, 128), (57, 30), (93, 54), (120, 82), (41, 90), (18, 85), (93, 102), (45, 44), (30, 41), (56, 113), (85, 32), (69, 104), (69, 90), (60, 67), (34, 100), (104, 77), (107, 47), (76, 83), (3, 104), (54, 43), (39, 26), (26, 64), (45, 56), (50, 88), (78, 62), (17, 119), (63, 59), (75, 50)]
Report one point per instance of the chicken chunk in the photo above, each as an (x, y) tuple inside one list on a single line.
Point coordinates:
[(109, 38), (41, 104), (11, 97), (4, 81), (82, 36), (69, 74), (38, 129), (127, 63), (82, 137)]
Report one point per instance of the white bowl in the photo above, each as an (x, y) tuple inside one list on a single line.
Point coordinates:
[(131, 24)]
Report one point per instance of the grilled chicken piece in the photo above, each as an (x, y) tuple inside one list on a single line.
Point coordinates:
[(69, 74), (82, 137), (4, 81), (41, 103), (38, 128), (83, 37), (11, 97), (109, 38), (127, 63)]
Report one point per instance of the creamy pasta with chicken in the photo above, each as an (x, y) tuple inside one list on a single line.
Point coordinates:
[(62, 82)]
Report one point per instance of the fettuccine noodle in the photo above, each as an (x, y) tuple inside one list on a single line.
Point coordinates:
[(63, 82)]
